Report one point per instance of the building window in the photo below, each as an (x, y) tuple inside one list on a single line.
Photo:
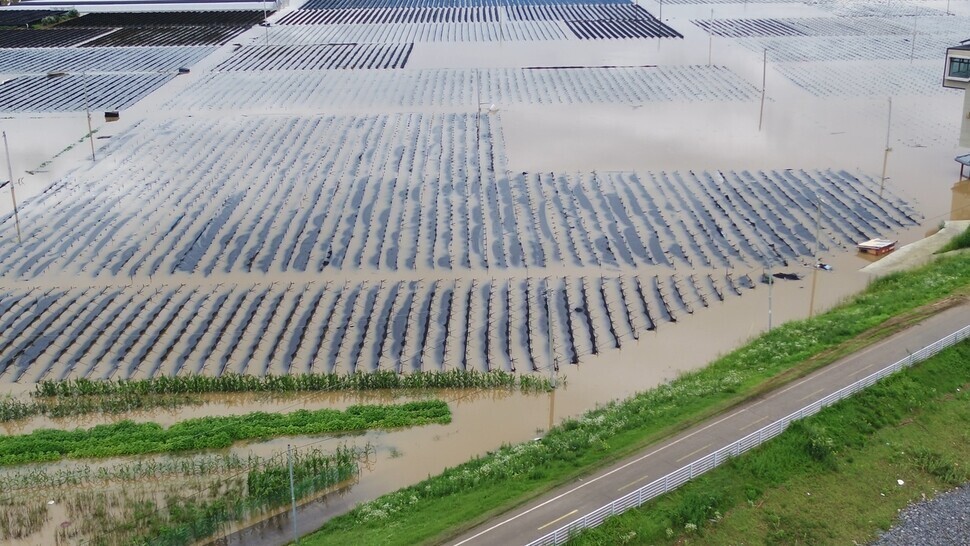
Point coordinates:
[(959, 68)]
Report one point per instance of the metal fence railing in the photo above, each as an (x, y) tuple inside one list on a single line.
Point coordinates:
[(678, 477)]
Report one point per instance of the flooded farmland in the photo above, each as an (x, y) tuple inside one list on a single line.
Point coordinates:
[(579, 190)]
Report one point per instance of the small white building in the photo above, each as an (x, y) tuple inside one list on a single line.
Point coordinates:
[(956, 75)]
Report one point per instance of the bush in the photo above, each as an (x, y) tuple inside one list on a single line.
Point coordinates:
[(960, 241)]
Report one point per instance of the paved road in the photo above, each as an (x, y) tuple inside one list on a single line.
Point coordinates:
[(571, 501)]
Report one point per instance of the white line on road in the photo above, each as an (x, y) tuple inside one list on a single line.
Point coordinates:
[(617, 469), (810, 377)]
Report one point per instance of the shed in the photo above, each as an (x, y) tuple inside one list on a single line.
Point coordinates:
[(877, 247)]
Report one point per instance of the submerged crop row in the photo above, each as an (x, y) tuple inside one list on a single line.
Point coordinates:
[(83, 396), (851, 48), (100, 59), (335, 56), (277, 91), (872, 80), (429, 192), (195, 384), (67, 93), (325, 337), (876, 28), (129, 438), (513, 22), (169, 501)]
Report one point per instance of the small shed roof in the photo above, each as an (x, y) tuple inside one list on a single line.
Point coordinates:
[(963, 159), (876, 244)]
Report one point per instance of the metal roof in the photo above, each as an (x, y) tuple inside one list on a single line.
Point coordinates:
[(963, 159)]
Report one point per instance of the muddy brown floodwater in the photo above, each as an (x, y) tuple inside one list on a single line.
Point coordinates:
[(804, 127)]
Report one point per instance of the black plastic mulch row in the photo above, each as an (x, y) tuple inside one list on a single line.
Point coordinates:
[(317, 57), (745, 28), (14, 39), (167, 19), (175, 36), (384, 4), (25, 17), (576, 12), (633, 28), (66, 94), (390, 15)]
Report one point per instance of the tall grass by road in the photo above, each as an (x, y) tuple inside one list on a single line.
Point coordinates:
[(828, 479), (472, 492)]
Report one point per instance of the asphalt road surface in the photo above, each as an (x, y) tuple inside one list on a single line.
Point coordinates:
[(563, 505)]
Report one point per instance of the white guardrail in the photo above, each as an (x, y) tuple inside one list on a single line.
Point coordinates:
[(678, 477)]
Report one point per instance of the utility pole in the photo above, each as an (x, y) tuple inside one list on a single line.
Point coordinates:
[(771, 284), (885, 156), (289, 461), (87, 111), (710, 39), (552, 356), (818, 244), (912, 50), (13, 196), (553, 369), (769, 258), (764, 79)]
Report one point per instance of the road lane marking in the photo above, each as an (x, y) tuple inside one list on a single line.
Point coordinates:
[(753, 423), (860, 370), (810, 395), (598, 478), (692, 453), (810, 377), (557, 520), (636, 481), (848, 359)]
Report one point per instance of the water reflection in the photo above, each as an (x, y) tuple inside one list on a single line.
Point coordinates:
[(278, 529), (960, 204)]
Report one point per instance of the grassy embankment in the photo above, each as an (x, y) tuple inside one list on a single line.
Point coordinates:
[(129, 438), (470, 493), (959, 242), (829, 479), (84, 396)]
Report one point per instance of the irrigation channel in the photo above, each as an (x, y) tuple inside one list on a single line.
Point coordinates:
[(550, 188)]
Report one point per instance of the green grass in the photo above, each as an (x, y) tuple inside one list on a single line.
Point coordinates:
[(960, 241), (84, 396), (829, 479), (129, 438), (461, 497), (310, 382)]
